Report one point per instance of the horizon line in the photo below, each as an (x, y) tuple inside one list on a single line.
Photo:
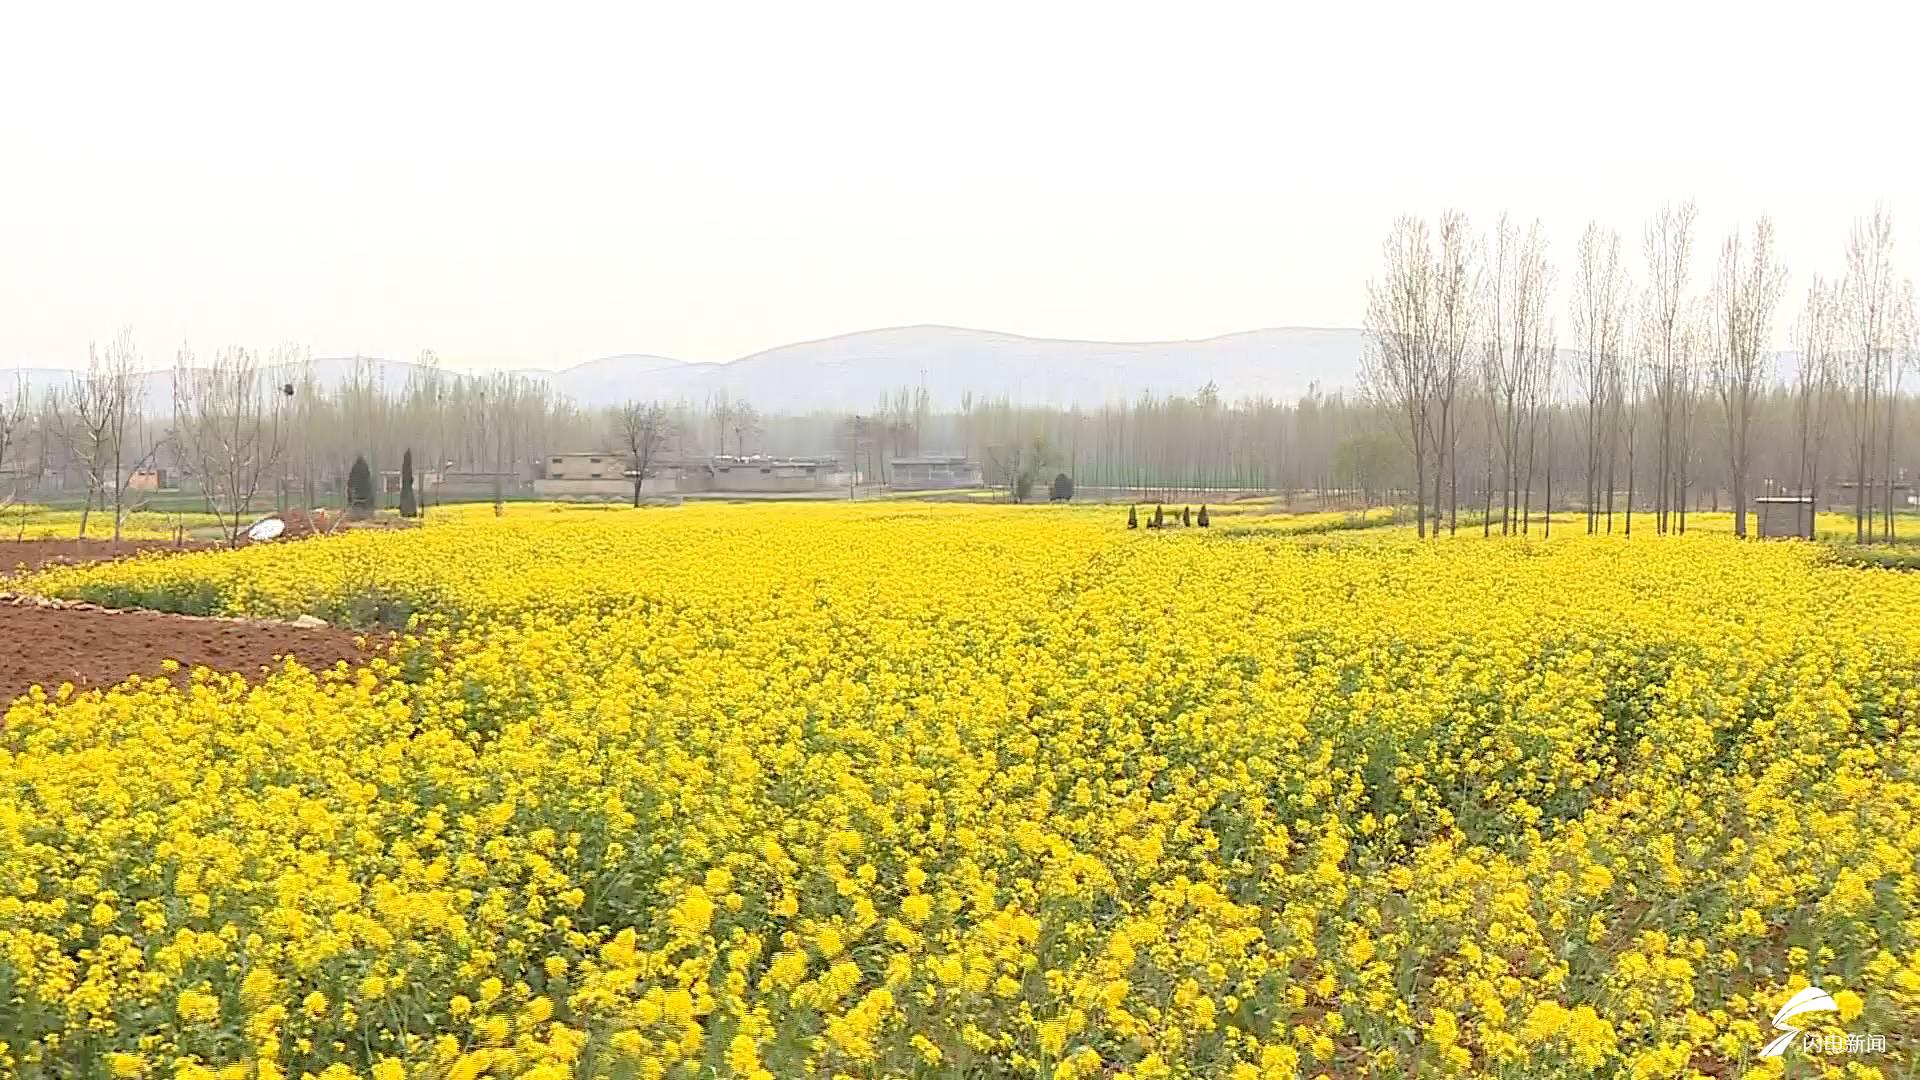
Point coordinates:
[(509, 368)]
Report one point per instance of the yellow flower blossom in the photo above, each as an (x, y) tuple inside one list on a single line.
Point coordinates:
[(882, 787)]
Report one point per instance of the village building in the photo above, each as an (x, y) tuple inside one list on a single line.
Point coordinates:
[(759, 474), (933, 473)]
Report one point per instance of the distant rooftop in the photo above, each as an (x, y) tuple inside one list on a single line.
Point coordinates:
[(727, 461), (933, 459)]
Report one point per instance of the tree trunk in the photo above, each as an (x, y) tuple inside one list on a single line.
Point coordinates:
[(1526, 497), (1593, 473), (1546, 520), (1686, 484), (1893, 401), (1737, 442), (1629, 517), (1506, 488), (1419, 488), (1453, 483), (119, 492), (1486, 513), (1813, 494), (1860, 534), (1439, 475), (1663, 487), (1611, 447)]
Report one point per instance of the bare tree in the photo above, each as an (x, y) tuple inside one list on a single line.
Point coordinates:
[(122, 360), (1689, 356), (859, 440), (922, 413), (644, 426), (1899, 356), (1493, 362), (1457, 293), (1004, 467), (966, 423), (1623, 387), (15, 417), (1668, 245), (1513, 363), (1868, 312), (90, 419), (896, 419), (1536, 404), (1631, 389), (745, 421), (1816, 384), (1399, 365), (1599, 290), (1549, 383), (1744, 297), (721, 407), (229, 425)]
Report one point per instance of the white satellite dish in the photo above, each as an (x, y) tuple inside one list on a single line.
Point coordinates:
[(266, 529)]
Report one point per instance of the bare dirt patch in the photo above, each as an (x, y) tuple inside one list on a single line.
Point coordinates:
[(94, 647), (19, 555)]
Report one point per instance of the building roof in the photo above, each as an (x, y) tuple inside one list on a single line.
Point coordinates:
[(729, 461)]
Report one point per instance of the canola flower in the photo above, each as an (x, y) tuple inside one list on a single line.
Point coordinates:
[(892, 790), (26, 521)]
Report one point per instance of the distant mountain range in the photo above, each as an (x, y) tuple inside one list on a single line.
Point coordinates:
[(853, 371)]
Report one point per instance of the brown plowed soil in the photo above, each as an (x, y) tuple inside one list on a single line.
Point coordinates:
[(18, 555), (90, 647)]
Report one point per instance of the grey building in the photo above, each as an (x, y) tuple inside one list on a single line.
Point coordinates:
[(934, 473)]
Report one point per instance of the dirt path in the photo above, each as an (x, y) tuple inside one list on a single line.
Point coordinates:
[(18, 555), (92, 647)]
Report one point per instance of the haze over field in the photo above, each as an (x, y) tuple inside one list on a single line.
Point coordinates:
[(852, 371), (708, 181)]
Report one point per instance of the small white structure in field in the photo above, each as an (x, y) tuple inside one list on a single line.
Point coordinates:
[(1785, 516)]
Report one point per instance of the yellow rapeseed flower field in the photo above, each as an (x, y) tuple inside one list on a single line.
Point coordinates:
[(25, 521), (948, 790)]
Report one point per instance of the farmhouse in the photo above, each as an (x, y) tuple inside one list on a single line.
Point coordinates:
[(585, 473), (758, 474), (605, 473), (934, 473), (587, 465)]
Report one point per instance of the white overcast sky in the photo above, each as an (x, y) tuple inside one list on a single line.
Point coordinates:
[(540, 184)]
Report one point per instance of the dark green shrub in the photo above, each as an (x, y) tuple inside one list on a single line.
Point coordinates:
[(409, 507), (360, 490)]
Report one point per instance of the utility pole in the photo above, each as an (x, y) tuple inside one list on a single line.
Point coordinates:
[(1076, 444), (856, 429)]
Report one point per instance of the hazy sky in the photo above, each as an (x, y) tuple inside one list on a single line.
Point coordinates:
[(540, 184)]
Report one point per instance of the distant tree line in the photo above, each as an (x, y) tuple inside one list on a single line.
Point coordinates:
[(1669, 391), (1474, 407)]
